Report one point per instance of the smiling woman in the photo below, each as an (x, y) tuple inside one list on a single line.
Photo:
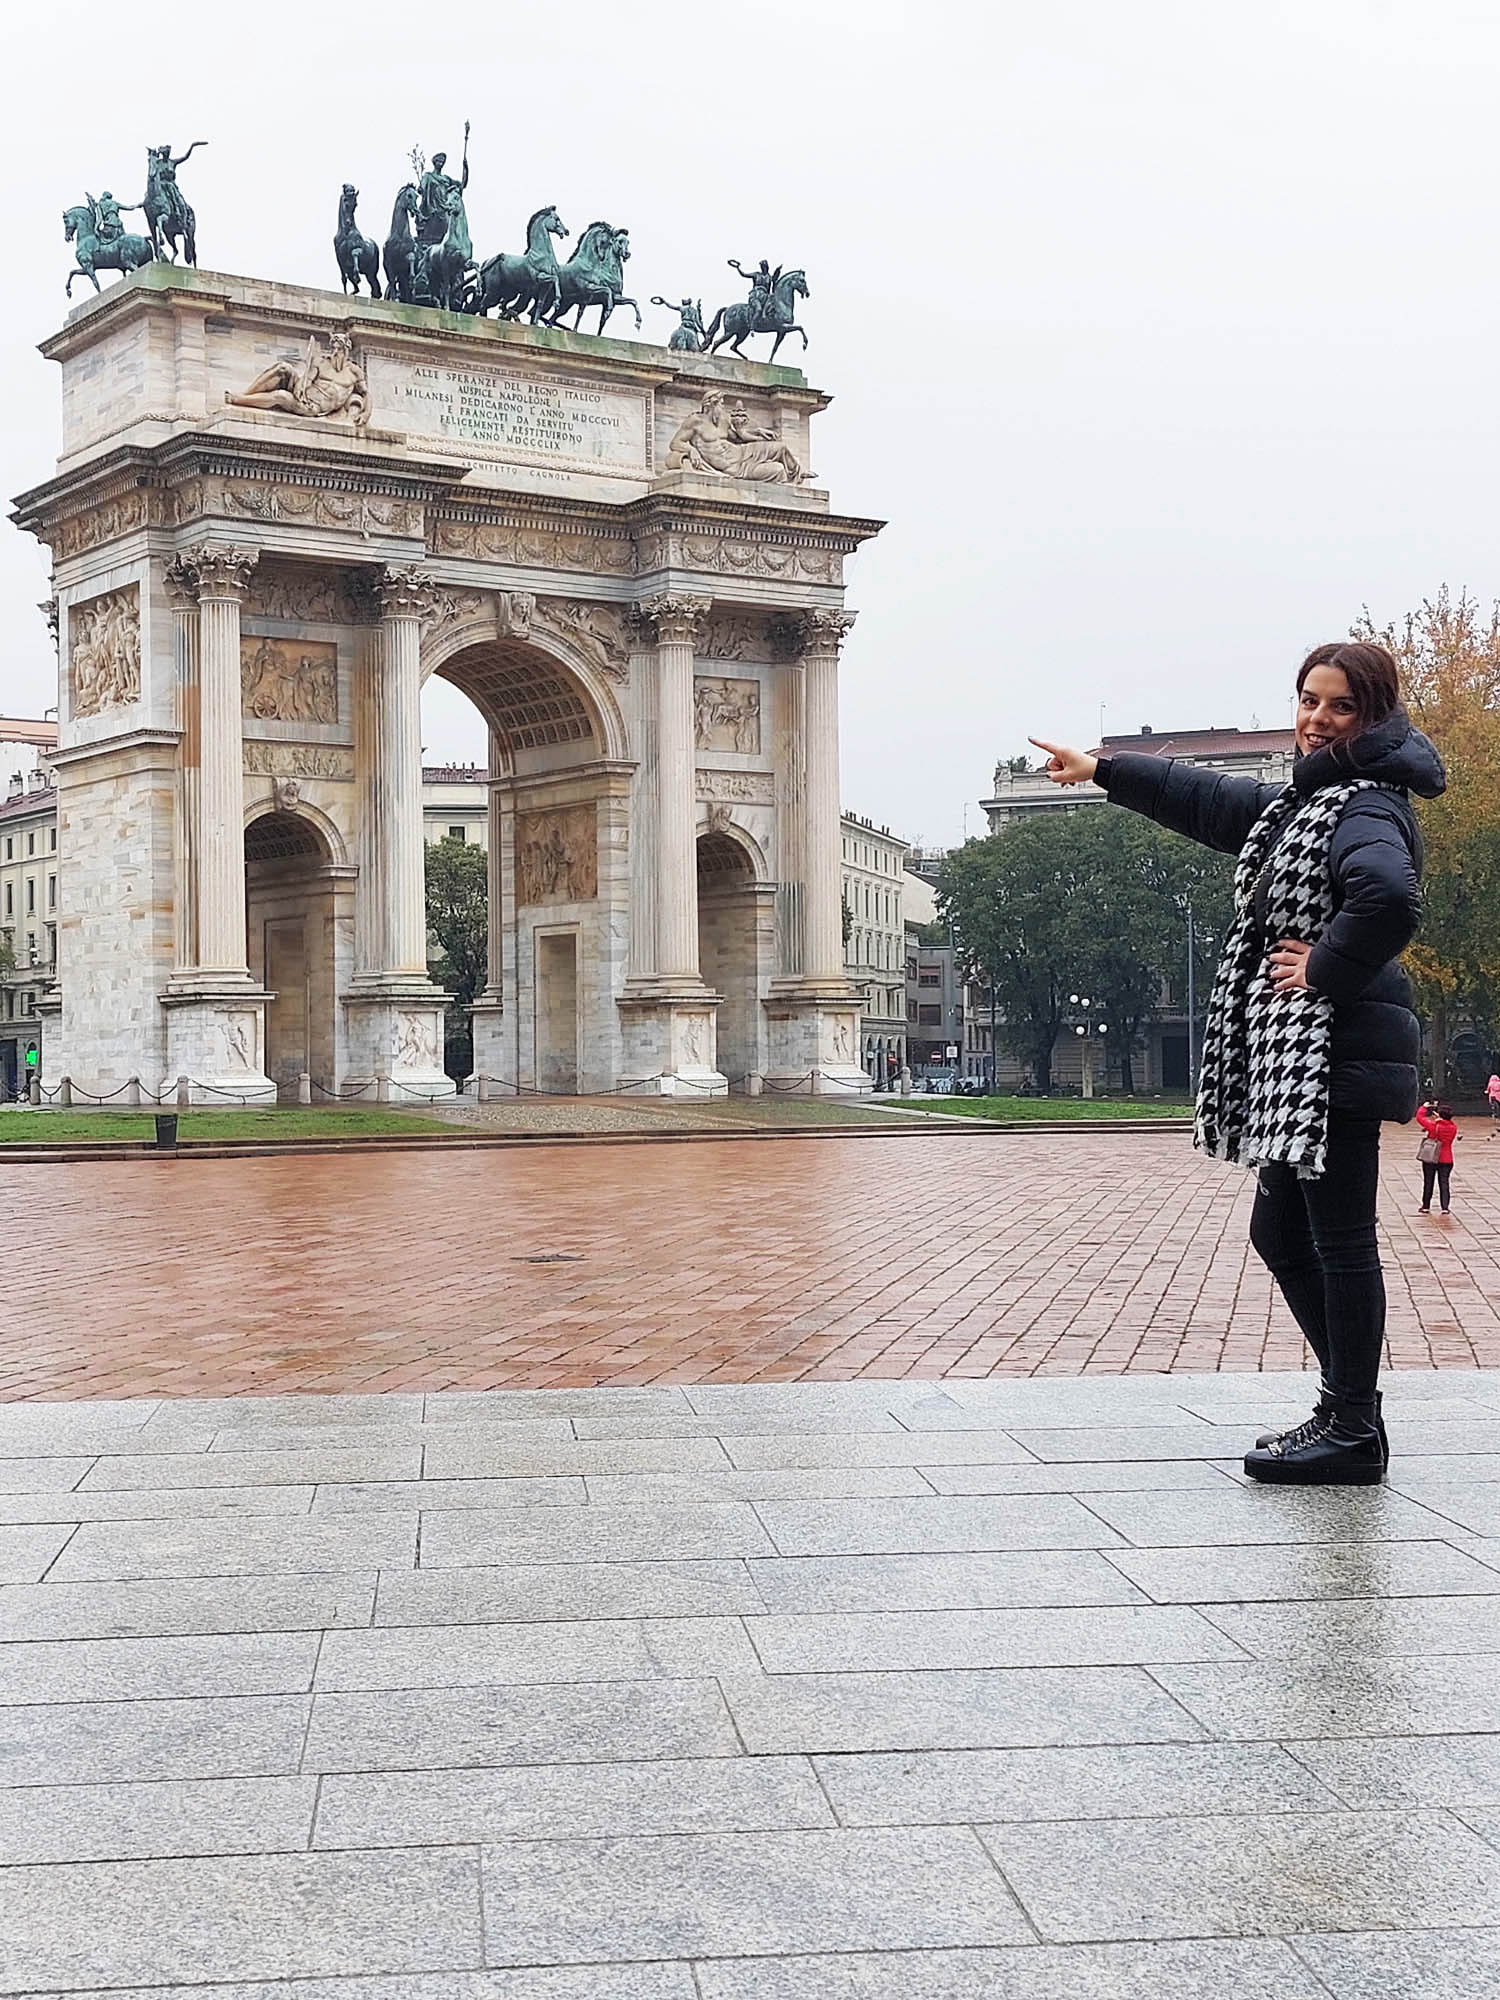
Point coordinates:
[(1311, 1040)]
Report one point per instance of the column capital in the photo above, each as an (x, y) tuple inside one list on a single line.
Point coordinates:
[(48, 609), (402, 590), (675, 617), (215, 570), (181, 580), (825, 631)]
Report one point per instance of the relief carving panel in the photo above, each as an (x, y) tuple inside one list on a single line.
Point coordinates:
[(557, 855), (298, 760), (597, 630), (289, 680), (727, 714), (104, 651), (751, 788)]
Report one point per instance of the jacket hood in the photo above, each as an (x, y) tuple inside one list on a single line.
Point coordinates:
[(1393, 753)]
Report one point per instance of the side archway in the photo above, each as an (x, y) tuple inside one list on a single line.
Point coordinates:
[(297, 889)]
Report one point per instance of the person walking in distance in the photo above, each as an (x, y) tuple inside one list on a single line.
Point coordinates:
[(1492, 1094), (1436, 1152), (1310, 1040)]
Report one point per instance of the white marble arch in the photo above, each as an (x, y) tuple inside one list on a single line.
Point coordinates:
[(449, 642)]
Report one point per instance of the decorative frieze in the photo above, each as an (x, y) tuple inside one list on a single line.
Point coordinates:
[(757, 788), (730, 635), (289, 680), (298, 760), (726, 714), (75, 534), (284, 502), (104, 651), (557, 855), (301, 595), (526, 547)]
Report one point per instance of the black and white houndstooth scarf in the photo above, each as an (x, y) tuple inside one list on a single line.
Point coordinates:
[(1263, 1085)]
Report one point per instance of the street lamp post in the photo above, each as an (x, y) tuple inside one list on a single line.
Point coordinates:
[(1192, 1005), (1086, 1029)]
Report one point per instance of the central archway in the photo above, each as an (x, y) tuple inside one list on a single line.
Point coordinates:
[(560, 905)]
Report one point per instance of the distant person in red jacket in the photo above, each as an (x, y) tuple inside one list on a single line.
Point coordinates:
[(1436, 1121)]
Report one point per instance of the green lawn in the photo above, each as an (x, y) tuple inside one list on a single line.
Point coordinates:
[(32, 1128), (1048, 1107)]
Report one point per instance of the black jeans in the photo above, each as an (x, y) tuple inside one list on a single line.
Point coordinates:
[(1317, 1239), (1440, 1171)]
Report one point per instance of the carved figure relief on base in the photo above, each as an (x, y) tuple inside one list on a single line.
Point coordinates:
[(727, 714), (289, 680), (330, 384), (557, 856), (104, 651), (729, 442)]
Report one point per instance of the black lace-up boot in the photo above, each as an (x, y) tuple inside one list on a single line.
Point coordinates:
[(1340, 1447), (1321, 1408)]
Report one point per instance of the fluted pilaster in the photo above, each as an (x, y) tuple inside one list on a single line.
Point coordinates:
[(822, 941), (676, 620), (404, 598), (221, 573)]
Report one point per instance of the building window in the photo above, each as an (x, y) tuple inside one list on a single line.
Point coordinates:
[(31, 843), (10, 899), (51, 892), (30, 894), (10, 847), (52, 839), (52, 944)]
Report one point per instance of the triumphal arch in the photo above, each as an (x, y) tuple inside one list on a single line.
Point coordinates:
[(276, 512)]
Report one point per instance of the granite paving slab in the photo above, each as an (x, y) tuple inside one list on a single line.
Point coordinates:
[(41, 1475), (1450, 1696), (997, 1709), (538, 1592), (1475, 1508), (643, 1981), (26, 1554), (404, 1494), (1129, 1443), (238, 1917), (293, 1467), (853, 1482), (599, 1722), (140, 1821), (1217, 1971), (516, 1655), (462, 1406), (1362, 1628), (160, 1609), (1138, 1475), (1421, 1964), (110, 1552), (459, 1540), (941, 1526), (480, 1452), (390, 1436), (170, 1504), (1127, 1781), (1004, 1578), (1266, 1514), (748, 1893), (819, 1449), (1248, 1874), (1311, 1571), (1099, 1635), (1460, 1772), (74, 1670), (570, 1801), (59, 1743)]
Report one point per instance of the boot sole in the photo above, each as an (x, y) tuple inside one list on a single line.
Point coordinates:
[(1275, 1473)]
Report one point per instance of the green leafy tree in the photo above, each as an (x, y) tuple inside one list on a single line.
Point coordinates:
[(7, 954), (1092, 902), (458, 933)]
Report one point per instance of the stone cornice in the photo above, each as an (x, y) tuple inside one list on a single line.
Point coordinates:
[(128, 739)]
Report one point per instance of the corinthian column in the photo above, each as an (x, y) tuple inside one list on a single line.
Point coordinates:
[(182, 595), (398, 762), (676, 620), (223, 577), (823, 948)]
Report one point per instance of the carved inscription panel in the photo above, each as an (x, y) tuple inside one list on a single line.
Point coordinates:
[(557, 856), (502, 414), (727, 714), (104, 651), (289, 680)]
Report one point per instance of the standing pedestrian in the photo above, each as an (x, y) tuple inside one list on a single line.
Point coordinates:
[(1492, 1092), (1436, 1152), (1310, 1040)]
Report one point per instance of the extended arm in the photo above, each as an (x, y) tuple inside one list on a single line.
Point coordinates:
[(1211, 807), (1380, 903), (190, 151)]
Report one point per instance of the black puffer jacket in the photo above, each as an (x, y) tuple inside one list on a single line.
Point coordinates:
[(1376, 861)]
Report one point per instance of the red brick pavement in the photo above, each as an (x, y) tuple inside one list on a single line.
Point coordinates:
[(826, 1259)]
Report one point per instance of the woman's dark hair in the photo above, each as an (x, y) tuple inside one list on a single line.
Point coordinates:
[(1370, 672), (1443, 1110)]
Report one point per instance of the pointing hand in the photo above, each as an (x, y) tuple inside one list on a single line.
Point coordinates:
[(1064, 765)]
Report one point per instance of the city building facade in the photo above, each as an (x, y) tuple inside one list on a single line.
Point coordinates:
[(875, 940), (29, 870)]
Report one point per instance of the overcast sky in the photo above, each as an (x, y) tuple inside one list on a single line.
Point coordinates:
[(1164, 336)]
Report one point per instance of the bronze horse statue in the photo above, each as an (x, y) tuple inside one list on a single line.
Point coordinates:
[(95, 253), (358, 256), (514, 283), (775, 315), (594, 276)]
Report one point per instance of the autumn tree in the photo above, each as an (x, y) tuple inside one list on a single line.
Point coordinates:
[(1448, 652)]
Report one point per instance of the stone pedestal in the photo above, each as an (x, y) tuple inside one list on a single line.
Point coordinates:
[(814, 1043), (216, 1038), (493, 1061), (669, 1045), (395, 1041)]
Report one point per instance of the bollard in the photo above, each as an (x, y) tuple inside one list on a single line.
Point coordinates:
[(184, 1092), (34, 1090), (755, 1083), (304, 1088), (382, 1090), (905, 1081), (133, 1093), (65, 1094), (482, 1089)]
